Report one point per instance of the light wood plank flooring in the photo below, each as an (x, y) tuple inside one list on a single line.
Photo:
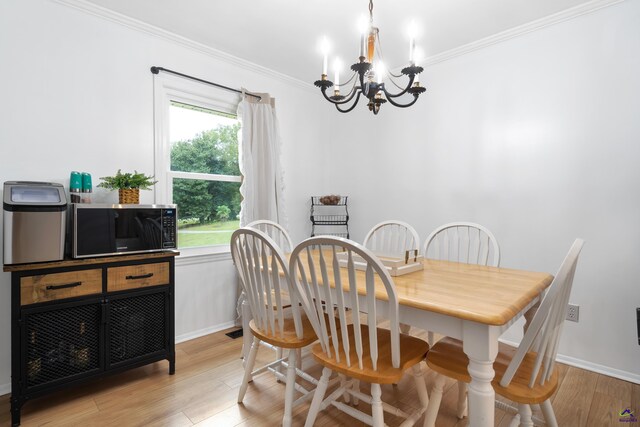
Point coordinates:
[(204, 390)]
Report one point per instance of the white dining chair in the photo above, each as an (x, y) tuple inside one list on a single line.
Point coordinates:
[(261, 265), (354, 348), (465, 242), (281, 237), (276, 232), (524, 375), (392, 238)]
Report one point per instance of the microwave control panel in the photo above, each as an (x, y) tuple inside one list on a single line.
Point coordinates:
[(169, 222)]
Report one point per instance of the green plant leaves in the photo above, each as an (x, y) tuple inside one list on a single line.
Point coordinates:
[(121, 181)]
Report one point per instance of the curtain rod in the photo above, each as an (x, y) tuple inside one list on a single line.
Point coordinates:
[(156, 70)]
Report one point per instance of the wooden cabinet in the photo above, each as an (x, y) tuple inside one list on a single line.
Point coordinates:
[(77, 320)]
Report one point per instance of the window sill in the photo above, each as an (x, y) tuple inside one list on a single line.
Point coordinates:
[(191, 256)]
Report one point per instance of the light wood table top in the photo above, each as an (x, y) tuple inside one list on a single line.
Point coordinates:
[(487, 295)]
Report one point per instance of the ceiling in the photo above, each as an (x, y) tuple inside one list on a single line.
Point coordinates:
[(284, 35)]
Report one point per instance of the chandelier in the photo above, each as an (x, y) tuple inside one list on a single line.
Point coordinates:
[(367, 77)]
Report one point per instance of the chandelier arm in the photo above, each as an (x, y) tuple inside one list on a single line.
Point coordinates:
[(396, 104), (392, 80), (352, 106), (390, 95), (363, 86), (342, 101)]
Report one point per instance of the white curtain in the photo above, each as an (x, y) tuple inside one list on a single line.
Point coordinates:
[(259, 151)]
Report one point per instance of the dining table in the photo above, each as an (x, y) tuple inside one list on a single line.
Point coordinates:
[(473, 303)]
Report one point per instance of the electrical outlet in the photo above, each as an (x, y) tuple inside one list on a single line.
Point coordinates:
[(573, 312)]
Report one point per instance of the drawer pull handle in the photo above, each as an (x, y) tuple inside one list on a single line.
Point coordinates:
[(68, 285), (142, 276)]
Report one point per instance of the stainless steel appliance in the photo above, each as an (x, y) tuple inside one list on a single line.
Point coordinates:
[(101, 229), (34, 221)]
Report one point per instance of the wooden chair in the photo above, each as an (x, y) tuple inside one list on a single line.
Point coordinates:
[(361, 351), (392, 238), (282, 239), (260, 263), (463, 242), (276, 232), (524, 375)]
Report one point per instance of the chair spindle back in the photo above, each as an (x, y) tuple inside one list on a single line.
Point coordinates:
[(316, 277), (275, 231), (392, 238), (463, 242), (264, 275)]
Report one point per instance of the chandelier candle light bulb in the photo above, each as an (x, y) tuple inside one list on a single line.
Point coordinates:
[(363, 28), (412, 43), (324, 46), (336, 66)]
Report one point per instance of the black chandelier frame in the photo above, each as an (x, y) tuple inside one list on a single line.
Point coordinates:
[(370, 89)]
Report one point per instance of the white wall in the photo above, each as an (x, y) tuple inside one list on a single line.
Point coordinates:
[(537, 138), (78, 95)]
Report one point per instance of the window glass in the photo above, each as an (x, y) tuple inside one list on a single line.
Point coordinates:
[(209, 211), (204, 142)]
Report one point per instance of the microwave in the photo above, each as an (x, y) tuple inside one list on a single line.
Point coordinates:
[(101, 229)]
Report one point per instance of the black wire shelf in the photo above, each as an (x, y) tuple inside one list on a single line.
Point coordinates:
[(327, 216)]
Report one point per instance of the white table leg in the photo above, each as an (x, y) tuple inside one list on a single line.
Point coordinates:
[(480, 343), (528, 316)]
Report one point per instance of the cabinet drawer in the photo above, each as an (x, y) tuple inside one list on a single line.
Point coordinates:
[(55, 286), (137, 276)]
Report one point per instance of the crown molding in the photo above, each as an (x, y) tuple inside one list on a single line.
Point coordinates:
[(514, 32), (135, 24)]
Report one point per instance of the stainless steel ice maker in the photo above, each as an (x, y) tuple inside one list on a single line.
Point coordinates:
[(34, 221)]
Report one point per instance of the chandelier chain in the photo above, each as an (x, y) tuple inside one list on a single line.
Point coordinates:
[(371, 11), (353, 76)]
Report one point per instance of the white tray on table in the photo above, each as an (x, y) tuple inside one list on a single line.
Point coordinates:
[(396, 265)]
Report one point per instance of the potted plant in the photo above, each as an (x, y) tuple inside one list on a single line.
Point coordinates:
[(128, 185)]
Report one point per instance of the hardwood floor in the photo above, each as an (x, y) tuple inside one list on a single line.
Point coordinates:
[(204, 390)]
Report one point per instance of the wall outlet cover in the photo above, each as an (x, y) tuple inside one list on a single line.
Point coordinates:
[(573, 312)]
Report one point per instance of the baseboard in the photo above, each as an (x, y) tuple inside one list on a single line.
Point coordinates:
[(5, 389), (206, 331), (600, 369), (590, 366)]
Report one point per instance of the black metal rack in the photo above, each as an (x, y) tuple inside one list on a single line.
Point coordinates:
[(333, 219)]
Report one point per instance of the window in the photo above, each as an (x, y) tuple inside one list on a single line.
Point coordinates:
[(197, 163)]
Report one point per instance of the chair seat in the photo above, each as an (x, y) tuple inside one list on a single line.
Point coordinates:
[(289, 339), (448, 358), (412, 351)]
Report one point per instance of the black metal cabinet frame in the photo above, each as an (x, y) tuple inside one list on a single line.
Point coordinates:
[(61, 343)]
